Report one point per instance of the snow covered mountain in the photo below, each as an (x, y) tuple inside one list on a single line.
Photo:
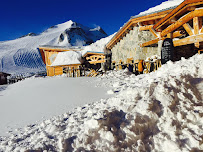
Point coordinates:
[(21, 55)]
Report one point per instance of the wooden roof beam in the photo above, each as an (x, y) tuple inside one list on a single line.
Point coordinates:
[(189, 40), (149, 28), (181, 21), (191, 8), (201, 30), (154, 32), (188, 29), (155, 41), (187, 4), (196, 25), (177, 34), (173, 20), (145, 28), (149, 43)]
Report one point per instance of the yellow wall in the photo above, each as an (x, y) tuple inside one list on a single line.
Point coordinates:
[(49, 58)]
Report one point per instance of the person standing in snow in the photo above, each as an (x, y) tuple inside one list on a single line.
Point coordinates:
[(141, 66)]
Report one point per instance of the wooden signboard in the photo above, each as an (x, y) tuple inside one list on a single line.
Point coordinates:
[(167, 51)]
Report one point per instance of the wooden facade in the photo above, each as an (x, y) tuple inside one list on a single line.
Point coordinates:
[(48, 56), (94, 57), (72, 70), (185, 19)]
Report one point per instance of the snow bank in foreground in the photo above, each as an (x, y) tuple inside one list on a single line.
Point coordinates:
[(36, 99), (162, 6), (160, 111)]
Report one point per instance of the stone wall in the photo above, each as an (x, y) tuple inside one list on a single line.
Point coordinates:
[(129, 46)]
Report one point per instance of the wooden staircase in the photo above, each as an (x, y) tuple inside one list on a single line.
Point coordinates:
[(93, 73)]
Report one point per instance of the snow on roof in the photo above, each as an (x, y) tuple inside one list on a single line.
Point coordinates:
[(67, 58), (152, 12), (170, 4), (92, 52), (62, 47)]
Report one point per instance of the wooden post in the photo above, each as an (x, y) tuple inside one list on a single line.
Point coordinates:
[(199, 51), (83, 68), (170, 35), (73, 72), (188, 29), (196, 29), (79, 71)]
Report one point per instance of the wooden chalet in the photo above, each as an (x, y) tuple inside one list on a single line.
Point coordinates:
[(182, 24), (49, 53), (90, 61), (3, 78)]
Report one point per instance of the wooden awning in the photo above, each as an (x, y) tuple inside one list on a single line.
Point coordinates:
[(89, 53), (184, 8)]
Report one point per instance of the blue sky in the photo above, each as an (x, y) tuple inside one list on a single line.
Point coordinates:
[(19, 17)]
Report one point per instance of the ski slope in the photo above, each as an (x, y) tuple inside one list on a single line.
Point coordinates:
[(20, 56)]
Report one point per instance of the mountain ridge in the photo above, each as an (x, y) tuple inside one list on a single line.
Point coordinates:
[(21, 55)]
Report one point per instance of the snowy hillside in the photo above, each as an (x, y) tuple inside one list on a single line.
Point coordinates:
[(160, 111), (21, 55), (98, 46)]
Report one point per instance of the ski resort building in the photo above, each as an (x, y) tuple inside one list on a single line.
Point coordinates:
[(71, 61), (142, 36), (49, 54)]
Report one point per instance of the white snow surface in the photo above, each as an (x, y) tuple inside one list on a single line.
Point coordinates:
[(160, 111), (67, 58), (35, 99), (162, 6)]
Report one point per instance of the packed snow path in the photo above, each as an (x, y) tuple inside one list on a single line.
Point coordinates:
[(160, 111), (35, 99)]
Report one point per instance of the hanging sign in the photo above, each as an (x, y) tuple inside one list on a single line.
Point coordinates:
[(167, 51)]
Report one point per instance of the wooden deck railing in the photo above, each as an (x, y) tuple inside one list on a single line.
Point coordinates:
[(149, 66)]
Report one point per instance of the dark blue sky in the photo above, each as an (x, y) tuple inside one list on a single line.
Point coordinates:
[(19, 17)]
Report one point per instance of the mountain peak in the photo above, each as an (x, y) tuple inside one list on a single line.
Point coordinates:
[(98, 28), (66, 24)]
